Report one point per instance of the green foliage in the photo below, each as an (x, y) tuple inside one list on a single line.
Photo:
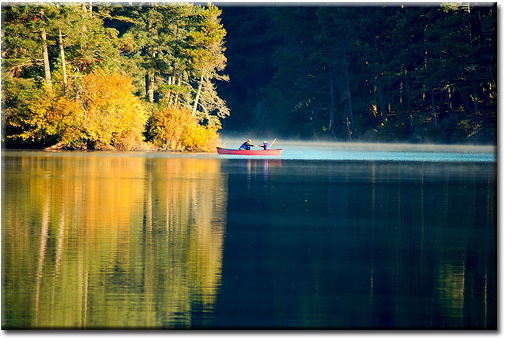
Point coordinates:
[(394, 130), (179, 48), (24, 105)]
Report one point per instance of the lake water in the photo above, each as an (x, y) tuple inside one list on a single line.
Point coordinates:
[(327, 236)]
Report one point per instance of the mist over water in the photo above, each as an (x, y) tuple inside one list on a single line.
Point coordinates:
[(330, 150), (458, 148)]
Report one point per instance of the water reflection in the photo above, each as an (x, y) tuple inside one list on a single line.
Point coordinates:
[(359, 246), (253, 168), (153, 241), (110, 241)]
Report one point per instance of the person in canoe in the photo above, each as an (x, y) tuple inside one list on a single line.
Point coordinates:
[(247, 145), (265, 146)]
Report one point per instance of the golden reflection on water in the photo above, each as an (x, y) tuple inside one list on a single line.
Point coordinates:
[(105, 241), (450, 287)]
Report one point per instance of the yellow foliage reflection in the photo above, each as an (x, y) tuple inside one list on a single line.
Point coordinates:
[(110, 241)]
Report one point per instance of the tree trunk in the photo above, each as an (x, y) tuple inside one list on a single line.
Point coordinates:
[(197, 96), (486, 94), (349, 131), (46, 60), (316, 118), (465, 101), (448, 94), (63, 61), (149, 86), (332, 106), (150, 80), (346, 77), (176, 98), (469, 27), (169, 93), (434, 116), (203, 108), (408, 98), (383, 105), (475, 101), (348, 93)]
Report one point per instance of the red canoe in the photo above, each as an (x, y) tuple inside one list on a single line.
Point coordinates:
[(270, 152)]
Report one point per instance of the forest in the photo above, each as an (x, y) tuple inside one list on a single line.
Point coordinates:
[(112, 77), (403, 73), (176, 76)]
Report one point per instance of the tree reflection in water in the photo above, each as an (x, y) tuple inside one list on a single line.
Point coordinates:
[(160, 241), (106, 241)]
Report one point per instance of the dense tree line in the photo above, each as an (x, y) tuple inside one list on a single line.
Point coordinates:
[(110, 76), (413, 73), (410, 73)]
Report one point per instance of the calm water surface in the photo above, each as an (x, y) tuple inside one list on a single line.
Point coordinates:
[(160, 241)]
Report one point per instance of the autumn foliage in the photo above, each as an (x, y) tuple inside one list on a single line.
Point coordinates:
[(175, 129), (112, 114), (105, 114)]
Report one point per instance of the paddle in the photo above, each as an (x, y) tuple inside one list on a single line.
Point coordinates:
[(272, 142)]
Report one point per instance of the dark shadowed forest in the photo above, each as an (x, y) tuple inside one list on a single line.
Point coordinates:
[(365, 72)]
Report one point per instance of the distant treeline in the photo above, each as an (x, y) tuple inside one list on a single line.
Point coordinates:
[(112, 76), (368, 72)]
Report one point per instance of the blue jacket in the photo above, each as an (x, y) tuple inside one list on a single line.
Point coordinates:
[(246, 146)]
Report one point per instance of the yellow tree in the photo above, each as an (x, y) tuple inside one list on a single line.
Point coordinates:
[(175, 129), (112, 114)]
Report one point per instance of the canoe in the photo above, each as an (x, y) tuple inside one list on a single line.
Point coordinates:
[(260, 152)]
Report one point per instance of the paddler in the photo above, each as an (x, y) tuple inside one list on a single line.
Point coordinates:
[(247, 145), (265, 146)]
